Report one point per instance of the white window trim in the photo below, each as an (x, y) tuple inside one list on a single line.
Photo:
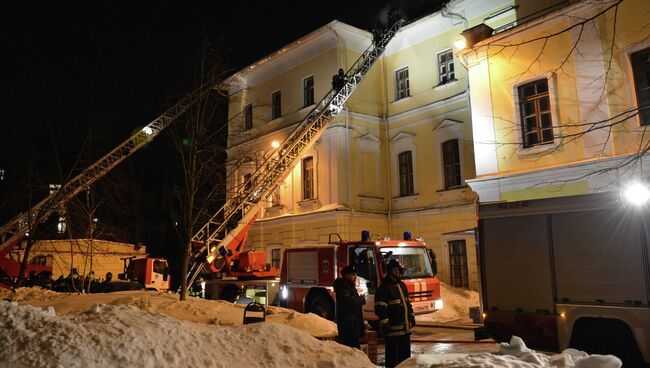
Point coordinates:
[(396, 89), (400, 143), (555, 116), (445, 131), (453, 61)]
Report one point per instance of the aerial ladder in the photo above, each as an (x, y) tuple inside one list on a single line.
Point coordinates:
[(13, 231), (221, 240)]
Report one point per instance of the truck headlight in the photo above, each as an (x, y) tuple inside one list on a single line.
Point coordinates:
[(284, 292), (437, 304)]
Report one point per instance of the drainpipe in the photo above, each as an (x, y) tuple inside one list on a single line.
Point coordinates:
[(343, 64), (388, 153)]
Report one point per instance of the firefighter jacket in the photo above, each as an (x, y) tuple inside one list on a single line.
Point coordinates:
[(349, 316), (393, 308)]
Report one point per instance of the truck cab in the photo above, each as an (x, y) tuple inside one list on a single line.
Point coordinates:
[(308, 274)]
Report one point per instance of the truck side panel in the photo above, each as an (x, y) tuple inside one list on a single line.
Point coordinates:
[(517, 264), (599, 257)]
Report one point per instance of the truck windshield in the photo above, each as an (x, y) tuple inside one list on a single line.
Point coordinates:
[(416, 260)]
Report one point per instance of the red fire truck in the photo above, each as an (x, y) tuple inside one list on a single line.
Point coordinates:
[(307, 274)]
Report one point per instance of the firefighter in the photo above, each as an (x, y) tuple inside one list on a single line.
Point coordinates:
[(395, 313), (349, 317)]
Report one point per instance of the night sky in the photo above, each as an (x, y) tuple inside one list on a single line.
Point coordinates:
[(79, 74)]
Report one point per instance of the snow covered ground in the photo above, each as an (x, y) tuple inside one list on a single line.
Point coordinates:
[(456, 304), (40, 328), (515, 355)]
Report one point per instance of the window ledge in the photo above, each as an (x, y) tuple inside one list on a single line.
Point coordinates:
[(276, 120), (458, 187), (370, 197), (535, 150), (306, 108), (308, 202), (446, 84), (402, 99), (414, 196)]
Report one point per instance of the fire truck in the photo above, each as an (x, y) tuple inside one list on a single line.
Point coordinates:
[(307, 276), (568, 272), (153, 273)]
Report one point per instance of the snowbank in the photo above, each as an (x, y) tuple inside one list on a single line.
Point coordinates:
[(515, 355), (456, 304), (193, 309), (128, 336)]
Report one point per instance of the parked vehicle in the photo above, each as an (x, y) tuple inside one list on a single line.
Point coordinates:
[(153, 273), (308, 274), (568, 272)]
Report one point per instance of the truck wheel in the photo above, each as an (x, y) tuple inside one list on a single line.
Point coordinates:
[(606, 336), (323, 307)]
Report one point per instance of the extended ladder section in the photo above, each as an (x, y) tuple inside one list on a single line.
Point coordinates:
[(14, 230), (224, 234)]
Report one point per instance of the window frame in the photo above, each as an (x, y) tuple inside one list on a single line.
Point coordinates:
[(276, 106), (274, 252), (643, 116), (248, 117), (464, 266), (308, 91), (405, 172), (402, 92), (536, 99), (455, 166), (308, 179), (448, 76)]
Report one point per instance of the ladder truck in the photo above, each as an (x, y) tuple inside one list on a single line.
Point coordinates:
[(218, 245), (13, 231)]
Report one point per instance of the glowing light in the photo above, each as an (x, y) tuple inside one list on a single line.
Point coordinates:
[(275, 144), (484, 315), (438, 304), (284, 292), (147, 130), (563, 315), (637, 194), (460, 43), (401, 244)]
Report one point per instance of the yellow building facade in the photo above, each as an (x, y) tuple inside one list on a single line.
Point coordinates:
[(560, 102), (394, 160)]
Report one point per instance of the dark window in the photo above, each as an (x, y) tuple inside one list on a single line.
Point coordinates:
[(446, 67), (308, 178), (275, 197), (248, 117), (275, 257), (308, 91), (458, 263), (405, 174), (535, 109), (451, 161), (247, 183), (276, 102), (402, 83), (641, 70)]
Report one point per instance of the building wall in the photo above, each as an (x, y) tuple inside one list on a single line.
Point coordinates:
[(356, 158), (591, 85), (63, 255)]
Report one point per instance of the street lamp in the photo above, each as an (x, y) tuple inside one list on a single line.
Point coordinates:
[(275, 144), (636, 193)]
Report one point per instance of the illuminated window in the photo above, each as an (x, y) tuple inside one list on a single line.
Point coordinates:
[(308, 178), (248, 117), (2, 174), (276, 105), (641, 70), (445, 67), (535, 110), (406, 174), (402, 83), (54, 187), (61, 226), (451, 162), (308, 91)]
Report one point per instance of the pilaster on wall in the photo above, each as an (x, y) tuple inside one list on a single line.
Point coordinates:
[(485, 147)]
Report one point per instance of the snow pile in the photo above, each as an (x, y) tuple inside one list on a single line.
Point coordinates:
[(456, 304), (127, 336), (193, 309), (515, 355)]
